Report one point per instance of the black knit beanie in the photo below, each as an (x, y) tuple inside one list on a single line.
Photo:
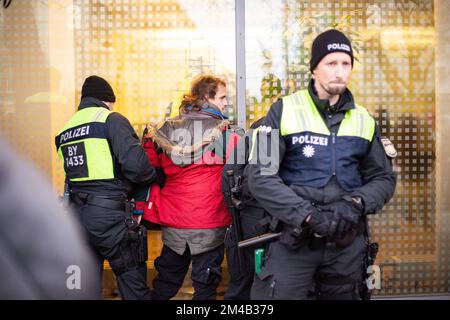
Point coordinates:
[(328, 42), (96, 87)]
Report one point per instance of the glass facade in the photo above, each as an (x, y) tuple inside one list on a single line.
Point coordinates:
[(150, 50)]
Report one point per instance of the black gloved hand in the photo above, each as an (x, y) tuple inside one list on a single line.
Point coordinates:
[(350, 209), (326, 223), (160, 177), (292, 237)]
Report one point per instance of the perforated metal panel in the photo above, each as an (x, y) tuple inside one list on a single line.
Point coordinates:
[(151, 50), (24, 120), (35, 99)]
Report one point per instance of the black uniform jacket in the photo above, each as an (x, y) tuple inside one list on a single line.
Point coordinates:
[(131, 164), (290, 204)]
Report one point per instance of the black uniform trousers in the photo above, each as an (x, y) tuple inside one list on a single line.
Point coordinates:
[(172, 269), (105, 231), (289, 274)]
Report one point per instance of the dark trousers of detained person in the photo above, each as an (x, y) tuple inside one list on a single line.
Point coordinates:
[(289, 274), (172, 269), (106, 229)]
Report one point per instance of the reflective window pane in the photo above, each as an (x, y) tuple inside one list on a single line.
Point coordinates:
[(394, 78)]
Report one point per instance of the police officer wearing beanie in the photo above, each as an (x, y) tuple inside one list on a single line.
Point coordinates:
[(103, 162), (324, 170)]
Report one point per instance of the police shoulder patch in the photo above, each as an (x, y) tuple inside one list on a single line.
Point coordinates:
[(389, 147)]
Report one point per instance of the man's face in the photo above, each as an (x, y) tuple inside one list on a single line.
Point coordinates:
[(220, 99), (332, 74)]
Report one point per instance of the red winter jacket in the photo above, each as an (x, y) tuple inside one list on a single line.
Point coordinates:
[(191, 196)]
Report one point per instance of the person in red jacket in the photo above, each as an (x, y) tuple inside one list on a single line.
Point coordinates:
[(191, 149)]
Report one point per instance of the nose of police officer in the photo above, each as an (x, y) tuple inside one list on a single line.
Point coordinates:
[(339, 71)]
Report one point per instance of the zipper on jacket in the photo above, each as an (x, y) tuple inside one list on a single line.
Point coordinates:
[(333, 153)]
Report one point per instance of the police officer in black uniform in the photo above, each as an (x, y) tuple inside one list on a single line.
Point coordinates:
[(103, 161), (253, 220), (319, 167)]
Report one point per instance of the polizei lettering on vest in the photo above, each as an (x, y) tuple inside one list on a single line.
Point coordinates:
[(310, 139), (338, 46), (75, 133)]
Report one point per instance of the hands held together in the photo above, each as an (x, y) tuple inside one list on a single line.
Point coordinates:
[(337, 219)]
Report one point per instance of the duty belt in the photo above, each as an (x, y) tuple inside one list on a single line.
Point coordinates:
[(85, 198)]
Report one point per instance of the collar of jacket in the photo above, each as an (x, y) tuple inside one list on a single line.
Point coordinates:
[(91, 102), (177, 137), (345, 102), (215, 112), (209, 110)]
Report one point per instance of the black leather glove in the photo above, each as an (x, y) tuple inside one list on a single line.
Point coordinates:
[(292, 237), (350, 209), (160, 177), (326, 223)]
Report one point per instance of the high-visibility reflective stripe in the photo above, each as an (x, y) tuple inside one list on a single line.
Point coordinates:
[(305, 115), (314, 116), (300, 115), (92, 114), (98, 115), (359, 123)]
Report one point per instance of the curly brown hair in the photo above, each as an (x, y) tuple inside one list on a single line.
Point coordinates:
[(202, 86)]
